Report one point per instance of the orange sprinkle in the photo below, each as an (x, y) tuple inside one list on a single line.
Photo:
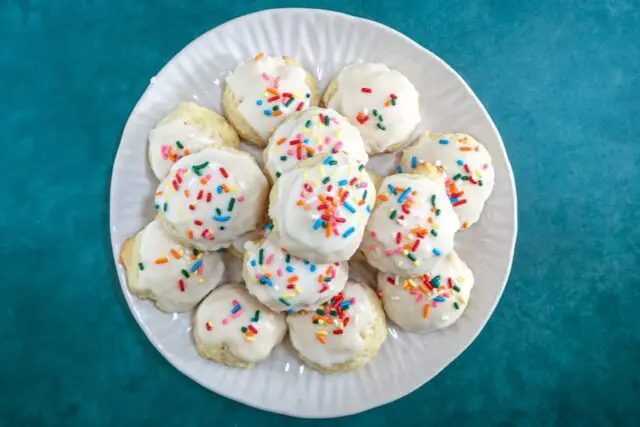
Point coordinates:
[(300, 202), (321, 278), (259, 56), (465, 148), (321, 338), (310, 149), (273, 91), (190, 234), (425, 313), (277, 113), (186, 152), (383, 197), (307, 208), (328, 232), (387, 104), (293, 279), (203, 181), (162, 260), (187, 193), (281, 141), (430, 220), (175, 254), (361, 202), (159, 193), (465, 225), (225, 188)]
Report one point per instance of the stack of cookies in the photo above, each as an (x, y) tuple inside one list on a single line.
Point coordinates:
[(301, 216)]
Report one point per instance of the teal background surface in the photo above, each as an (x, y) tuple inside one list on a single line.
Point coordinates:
[(561, 80)]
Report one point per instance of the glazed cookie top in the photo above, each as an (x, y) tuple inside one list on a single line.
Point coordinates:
[(284, 282), (412, 225), (188, 129), (470, 174), (336, 332), (212, 197), (312, 132), (267, 90), (431, 301), (382, 103), (320, 209), (229, 315), (178, 277)]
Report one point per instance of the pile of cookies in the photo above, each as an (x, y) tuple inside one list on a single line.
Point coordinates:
[(298, 220)]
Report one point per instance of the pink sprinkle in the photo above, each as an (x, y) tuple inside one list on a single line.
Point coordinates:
[(435, 304), (240, 198), (477, 148), (374, 234), (327, 139), (269, 259), (320, 147), (399, 250), (165, 151), (276, 82), (363, 185), (390, 252), (338, 146), (236, 314), (335, 231), (420, 297), (485, 166), (290, 152), (373, 247), (225, 321), (265, 76), (208, 176), (280, 272)]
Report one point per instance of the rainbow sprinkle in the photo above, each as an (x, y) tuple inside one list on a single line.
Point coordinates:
[(335, 314), (432, 291)]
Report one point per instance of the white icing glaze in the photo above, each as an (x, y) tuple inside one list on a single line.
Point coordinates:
[(320, 209), (410, 208), (255, 83), (327, 343), (366, 92), (284, 282), (315, 131), (169, 142), (202, 207), (470, 174), (228, 315), (176, 277), (445, 291)]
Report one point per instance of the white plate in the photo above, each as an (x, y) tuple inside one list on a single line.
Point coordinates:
[(324, 42)]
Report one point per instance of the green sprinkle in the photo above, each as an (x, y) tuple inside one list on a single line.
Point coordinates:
[(284, 301), (276, 108), (232, 203), (166, 206), (393, 214), (278, 174), (438, 212), (456, 288), (283, 158), (364, 195), (197, 168), (185, 273), (457, 177), (308, 124), (308, 95), (433, 200), (320, 311), (261, 256), (196, 252), (380, 118), (289, 102), (333, 163), (327, 279), (465, 178), (157, 206), (393, 101), (244, 329), (334, 313), (288, 258), (256, 318), (179, 144), (411, 256), (434, 232), (218, 211), (480, 183), (326, 120), (381, 126), (141, 266), (456, 305), (326, 180), (315, 322), (360, 168), (375, 112)]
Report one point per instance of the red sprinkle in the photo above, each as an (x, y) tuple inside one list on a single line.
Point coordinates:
[(362, 118), (366, 89), (208, 197), (181, 284), (224, 173), (273, 98), (253, 329), (391, 281), (200, 193), (197, 222), (175, 184), (338, 332), (300, 106), (460, 202)]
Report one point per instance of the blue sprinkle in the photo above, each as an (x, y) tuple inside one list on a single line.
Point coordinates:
[(290, 268), (439, 298), (328, 160), (196, 265), (236, 308), (404, 195), (436, 252), (267, 112), (454, 199), (349, 207), (392, 189), (444, 141), (313, 268), (221, 218), (414, 162), (266, 281), (460, 162), (399, 169), (219, 189), (259, 102), (343, 182), (368, 209), (253, 263), (306, 262), (306, 141), (317, 224), (268, 226), (221, 250), (349, 232)]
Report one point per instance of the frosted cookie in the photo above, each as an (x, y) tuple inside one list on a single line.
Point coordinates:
[(261, 93), (238, 249), (382, 103), (470, 174), (343, 333), (188, 129), (309, 133), (431, 301), (412, 225), (212, 197), (233, 328), (284, 282), (173, 276), (320, 208)]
